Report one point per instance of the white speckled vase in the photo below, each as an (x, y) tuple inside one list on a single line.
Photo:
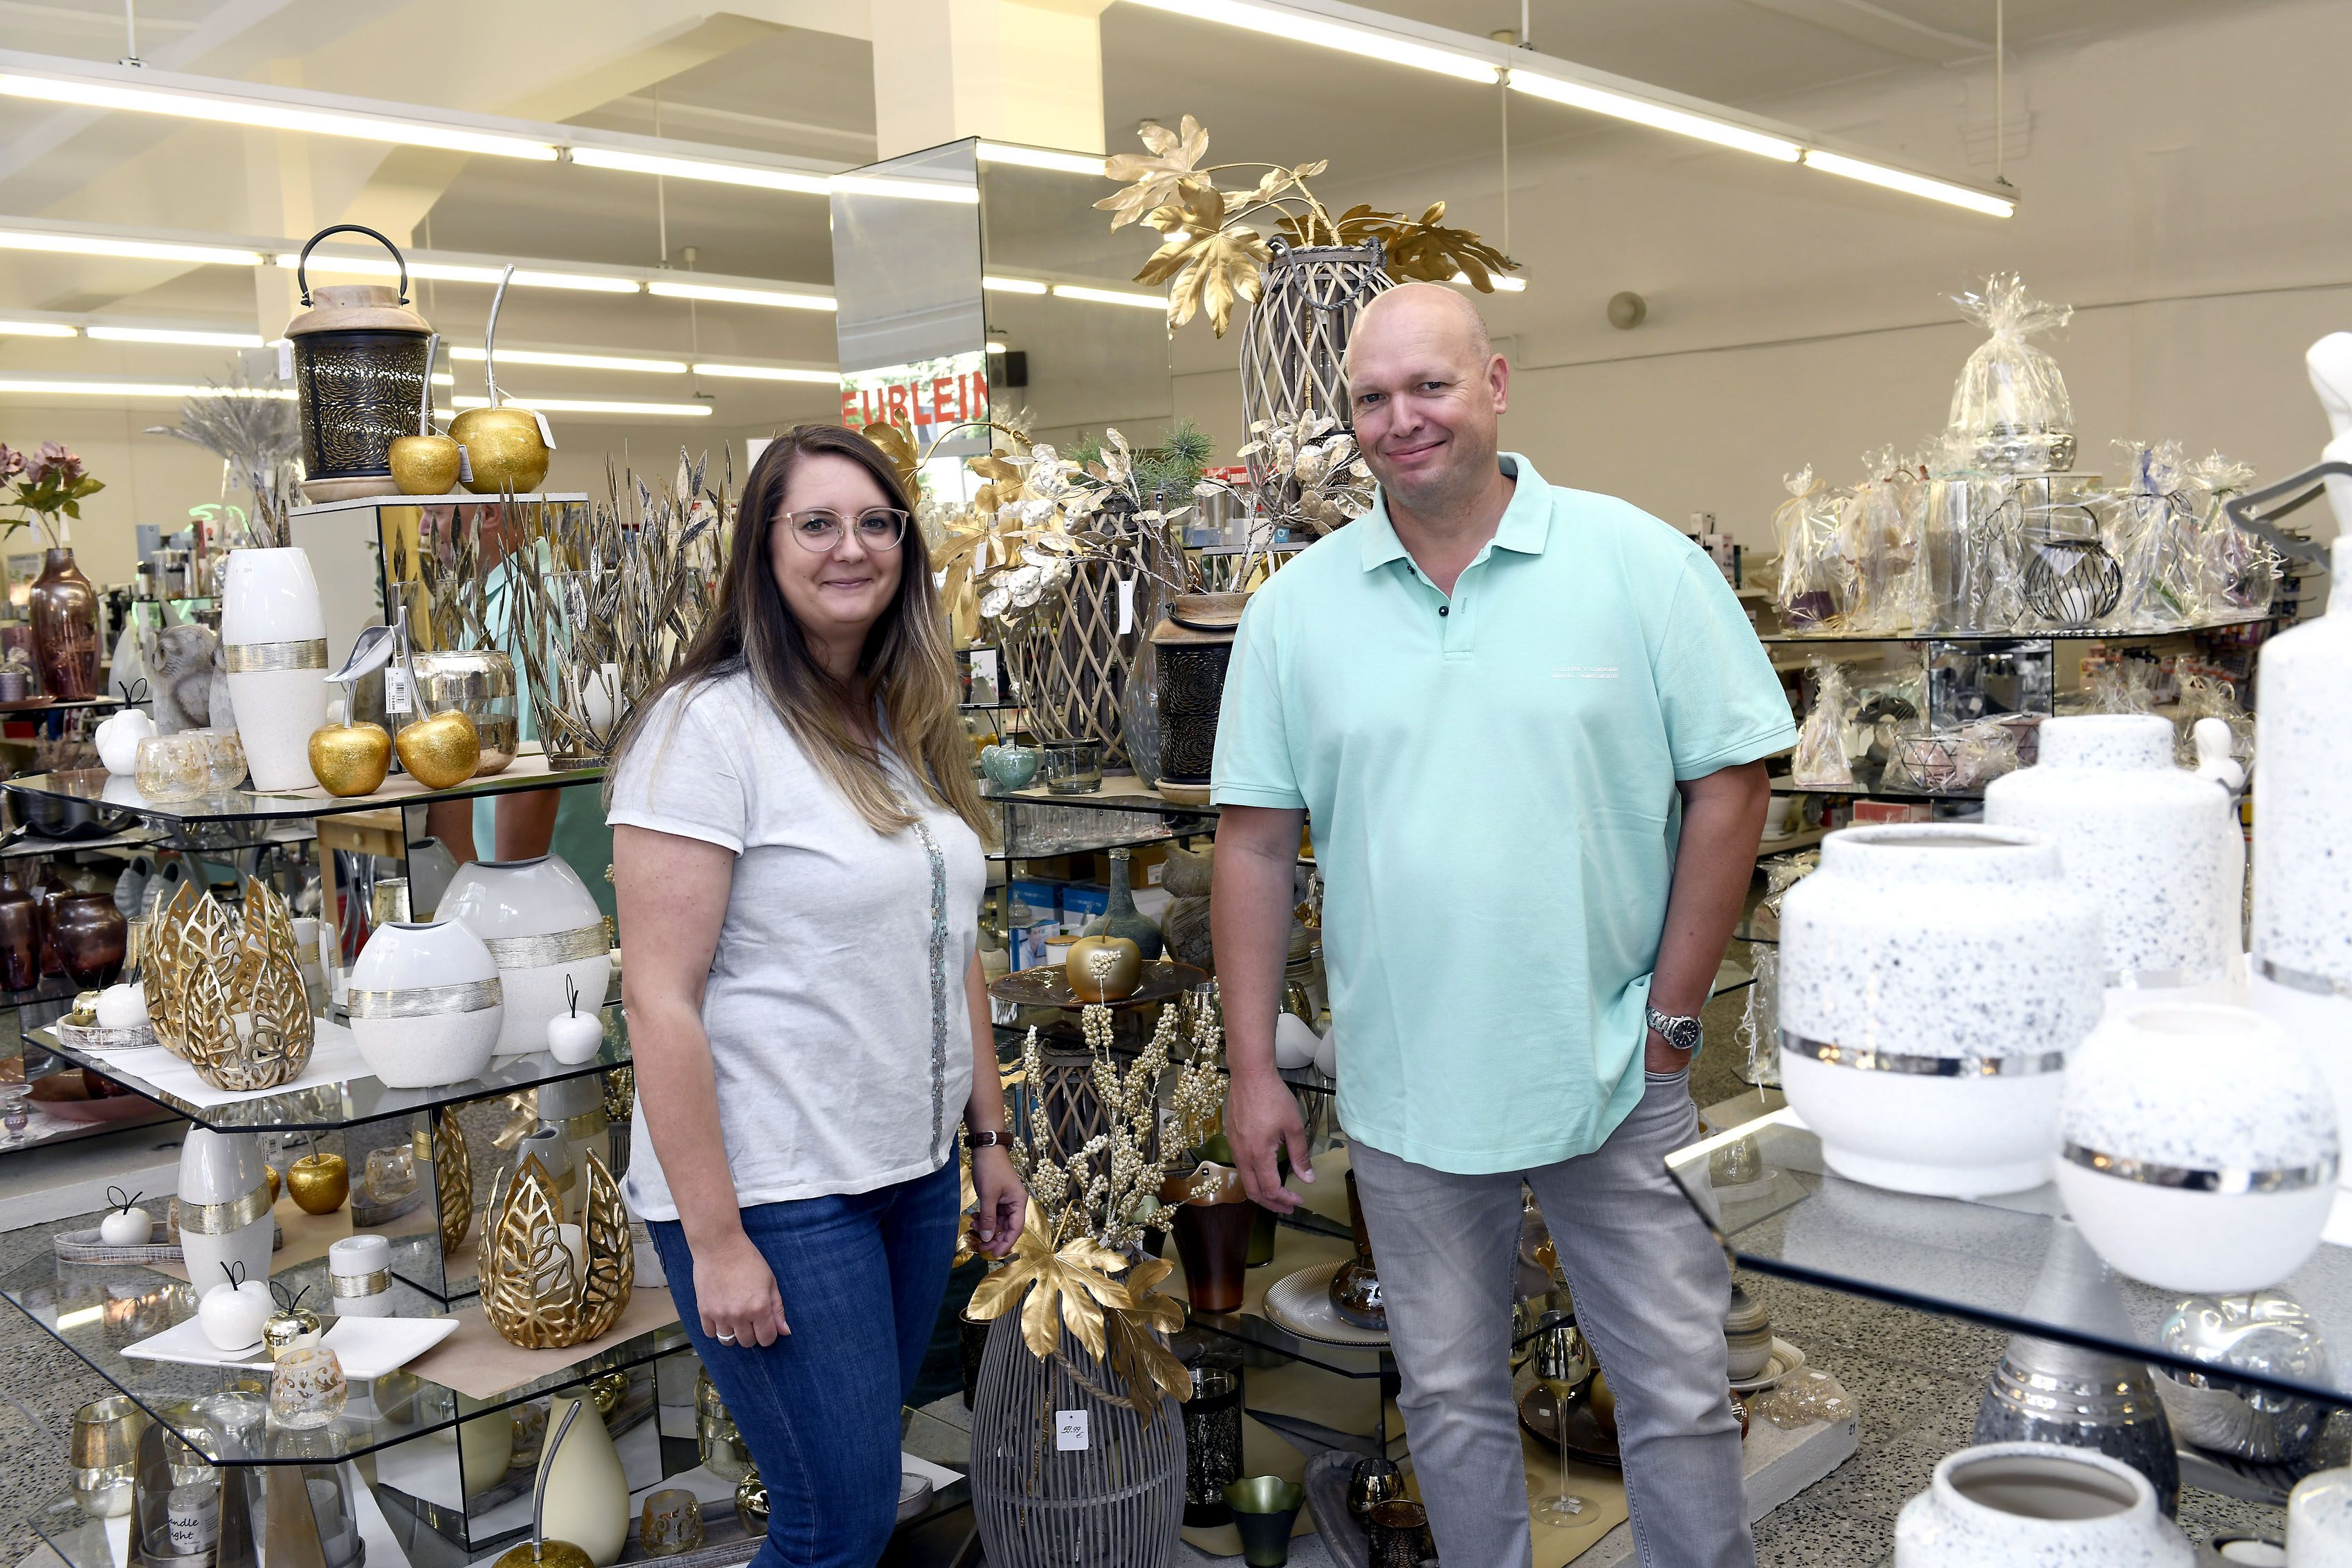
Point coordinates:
[(2144, 838), (542, 926), (2319, 1520), (1933, 978), (273, 636), (2200, 1148), (2300, 951), (2035, 1505), (426, 1004)]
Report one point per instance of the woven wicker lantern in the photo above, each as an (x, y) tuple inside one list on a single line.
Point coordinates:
[(361, 358), (1293, 345)]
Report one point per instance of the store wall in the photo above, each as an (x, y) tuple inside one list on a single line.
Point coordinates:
[(2188, 188)]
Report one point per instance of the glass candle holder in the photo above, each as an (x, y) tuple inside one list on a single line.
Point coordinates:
[(1213, 1445), (391, 1174), (173, 766), (308, 1389), (672, 1523), (1073, 767), (225, 766)]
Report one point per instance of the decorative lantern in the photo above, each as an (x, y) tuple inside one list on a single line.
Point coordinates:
[(1292, 348), (361, 358), (1194, 646)]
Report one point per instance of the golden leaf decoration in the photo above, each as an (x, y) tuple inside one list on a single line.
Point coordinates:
[(899, 448), (1117, 1321), (1173, 159), (530, 1290), (1221, 268), (453, 1182), (612, 1254)]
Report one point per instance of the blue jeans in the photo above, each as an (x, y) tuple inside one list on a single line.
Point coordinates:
[(861, 1275)]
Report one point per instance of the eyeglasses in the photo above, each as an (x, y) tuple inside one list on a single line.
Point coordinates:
[(820, 529)]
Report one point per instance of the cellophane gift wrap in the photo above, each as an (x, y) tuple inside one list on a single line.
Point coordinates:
[(2238, 572), (1971, 535), (1821, 762), (1816, 577), (2151, 523), (1890, 568), (2011, 413)]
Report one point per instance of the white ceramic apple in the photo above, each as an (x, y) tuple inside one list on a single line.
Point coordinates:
[(574, 1037), (232, 1313), (1293, 1041), (118, 740), (1327, 1053), (121, 1006), (127, 1224)]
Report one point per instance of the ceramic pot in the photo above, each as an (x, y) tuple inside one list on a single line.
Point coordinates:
[(2200, 1148), (273, 637), (20, 938), (1122, 919), (485, 1447), (2261, 1331), (2144, 838), (1933, 980), (481, 686), (2032, 1505), (1191, 648), (426, 1004), (543, 927), (2319, 1520), (587, 1497), (2300, 959), (65, 628), (90, 935), (1746, 1335), (222, 1209)]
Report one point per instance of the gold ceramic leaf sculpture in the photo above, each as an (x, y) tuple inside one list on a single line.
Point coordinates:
[(204, 976), (189, 933), (532, 1293), (612, 1254), (453, 1181)]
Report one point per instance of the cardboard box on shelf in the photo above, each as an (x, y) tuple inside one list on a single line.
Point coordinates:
[(1892, 812), (1083, 902)]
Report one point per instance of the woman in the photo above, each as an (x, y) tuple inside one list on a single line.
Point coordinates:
[(797, 858)]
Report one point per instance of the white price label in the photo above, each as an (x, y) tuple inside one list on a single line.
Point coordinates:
[(1069, 1429), (1126, 605), (284, 360), (544, 433), (396, 698)]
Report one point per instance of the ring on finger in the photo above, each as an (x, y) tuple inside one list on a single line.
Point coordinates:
[(725, 1338)]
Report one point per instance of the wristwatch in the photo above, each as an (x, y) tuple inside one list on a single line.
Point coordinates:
[(992, 1139), (1681, 1033)]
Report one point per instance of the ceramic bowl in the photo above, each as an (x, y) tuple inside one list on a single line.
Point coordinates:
[(426, 1004), (543, 927), (1933, 978), (2036, 1505), (2199, 1147)]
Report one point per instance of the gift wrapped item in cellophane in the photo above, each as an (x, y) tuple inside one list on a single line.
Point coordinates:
[(2151, 522), (2238, 572), (1890, 568), (2011, 413), (1820, 761), (1816, 577)]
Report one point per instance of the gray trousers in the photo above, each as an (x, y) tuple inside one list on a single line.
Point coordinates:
[(1651, 1288)]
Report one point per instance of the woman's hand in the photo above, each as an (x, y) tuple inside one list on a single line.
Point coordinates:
[(735, 1290), (1003, 1204)]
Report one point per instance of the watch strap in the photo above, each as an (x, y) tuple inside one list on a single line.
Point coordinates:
[(1683, 1033), (992, 1139)]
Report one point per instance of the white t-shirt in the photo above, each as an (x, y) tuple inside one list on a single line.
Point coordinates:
[(836, 1006)]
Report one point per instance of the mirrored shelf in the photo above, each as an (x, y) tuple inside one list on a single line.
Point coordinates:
[(105, 795), (2045, 635), (2011, 1263)]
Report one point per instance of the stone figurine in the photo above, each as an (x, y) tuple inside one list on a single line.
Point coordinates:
[(188, 675)]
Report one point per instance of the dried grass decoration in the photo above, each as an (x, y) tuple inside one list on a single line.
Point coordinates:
[(535, 1291), (228, 996)]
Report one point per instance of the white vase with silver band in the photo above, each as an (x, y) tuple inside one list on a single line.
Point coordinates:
[(359, 1276), (426, 1004), (273, 637), (543, 927), (222, 1211), (1933, 978)]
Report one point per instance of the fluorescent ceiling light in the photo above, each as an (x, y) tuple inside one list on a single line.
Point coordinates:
[(1108, 295), (1043, 158), (1507, 285), (1658, 116), (769, 373), (913, 189), (1013, 284), (670, 291), (1909, 184), (132, 389), (995, 348), (577, 362), (174, 335), (250, 109), (451, 272), (35, 330), (136, 250), (592, 405), (701, 169), (1299, 27)]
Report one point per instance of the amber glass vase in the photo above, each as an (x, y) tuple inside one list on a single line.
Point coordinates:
[(65, 628), (90, 935)]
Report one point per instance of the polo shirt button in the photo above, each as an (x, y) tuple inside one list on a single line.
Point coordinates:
[(1445, 610)]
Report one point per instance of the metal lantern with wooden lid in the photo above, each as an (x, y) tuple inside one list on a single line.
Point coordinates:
[(1194, 646), (361, 359)]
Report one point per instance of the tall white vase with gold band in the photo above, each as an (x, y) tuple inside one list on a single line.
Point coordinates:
[(274, 645), (222, 1212), (426, 1004), (542, 925)]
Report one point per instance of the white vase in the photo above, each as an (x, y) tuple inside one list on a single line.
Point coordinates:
[(273, 637), (2319, 1520), (426, 1004), (2144, 838), (2200, 1148), (543, 927), (223, 1207), (2036, 1505), (1933, 978), (587, 1494), (485, 1447), (359, 1276)]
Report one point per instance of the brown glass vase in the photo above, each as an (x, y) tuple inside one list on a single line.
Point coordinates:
[(20, 938), (1212, 1241), (65, 628), (90, 935)]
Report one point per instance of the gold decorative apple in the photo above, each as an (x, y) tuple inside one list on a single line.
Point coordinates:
[(440, 751), (504, 447), (321, 1182), (1104, 968), (351, 759), (425, 464)]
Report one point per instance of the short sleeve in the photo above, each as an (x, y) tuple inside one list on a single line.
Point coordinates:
[(1253, 763), (1721, 697), (682, 774)]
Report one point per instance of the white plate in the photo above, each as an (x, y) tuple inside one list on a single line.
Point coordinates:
[(1785, 1359), (370, 1347), (1301, 1302), (186, 1343)]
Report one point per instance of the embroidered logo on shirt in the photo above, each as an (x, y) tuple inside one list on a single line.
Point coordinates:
[(1584, 671)]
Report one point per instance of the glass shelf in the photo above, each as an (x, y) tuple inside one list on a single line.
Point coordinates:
[(1873, 792), (1120, 792), (2010, 1262), (2051, 634), (94, 787)]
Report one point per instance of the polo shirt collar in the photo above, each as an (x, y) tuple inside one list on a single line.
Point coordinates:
[(1526, 524)]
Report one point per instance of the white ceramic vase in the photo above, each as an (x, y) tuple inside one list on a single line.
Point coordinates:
[(2200, 1148), (543, 927), (2319, 1520), (426, 1004), (2145, 839), (223, 1207), (273, 637), (1933, 978), (2036, 1505), (587, 1494)]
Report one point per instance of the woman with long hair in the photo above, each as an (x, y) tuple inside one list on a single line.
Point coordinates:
[(797, 857)]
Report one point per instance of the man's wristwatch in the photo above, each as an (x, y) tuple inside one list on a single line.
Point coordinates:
[(1681, 1033)]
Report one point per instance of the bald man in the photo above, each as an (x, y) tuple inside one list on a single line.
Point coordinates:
[(1525, 724)]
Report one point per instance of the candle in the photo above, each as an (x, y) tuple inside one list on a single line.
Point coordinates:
[(191, 1518)]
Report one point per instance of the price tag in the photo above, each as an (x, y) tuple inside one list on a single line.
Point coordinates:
[(396, 697), (1069, 1429), (1126, 605), (284, 360), (544, 433), (465, 466)]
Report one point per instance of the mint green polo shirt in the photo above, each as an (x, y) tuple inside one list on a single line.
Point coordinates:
[(1490, 780)]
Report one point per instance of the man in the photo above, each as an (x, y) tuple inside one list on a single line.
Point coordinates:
[(1525, 724)]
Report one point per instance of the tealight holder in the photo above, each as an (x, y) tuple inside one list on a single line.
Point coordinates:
[(103, 1452), (173, 766), (359, 1272), (672, 1523), (228, 996), (309, 1389), (537, 1292)]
